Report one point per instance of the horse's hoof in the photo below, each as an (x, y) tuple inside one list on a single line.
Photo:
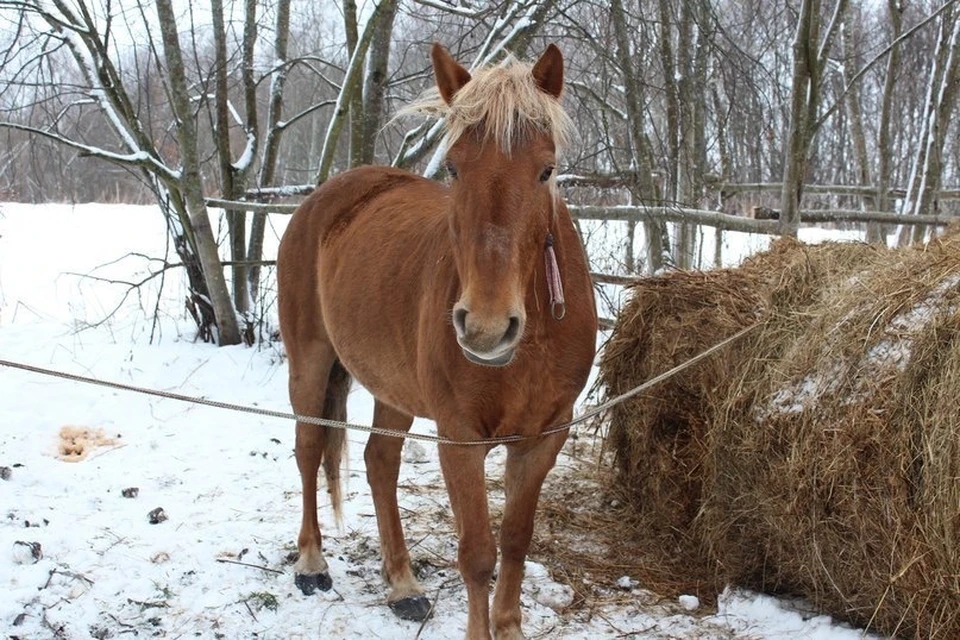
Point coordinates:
[(310, 582), (415, 608)]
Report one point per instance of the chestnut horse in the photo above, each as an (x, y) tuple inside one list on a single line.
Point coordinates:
[(438, 299)]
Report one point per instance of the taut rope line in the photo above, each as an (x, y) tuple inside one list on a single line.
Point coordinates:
[(337, 424)]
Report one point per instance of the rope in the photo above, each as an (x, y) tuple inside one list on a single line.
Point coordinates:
[(390, 433)]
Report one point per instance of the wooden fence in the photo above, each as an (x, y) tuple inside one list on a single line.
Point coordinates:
[(633, 213), (764, 222)]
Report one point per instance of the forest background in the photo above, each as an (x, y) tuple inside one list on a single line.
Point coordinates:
[(733, 106)]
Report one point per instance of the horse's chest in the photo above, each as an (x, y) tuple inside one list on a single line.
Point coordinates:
[(521, 399)]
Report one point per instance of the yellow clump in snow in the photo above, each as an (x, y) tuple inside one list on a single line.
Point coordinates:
[(76, 443)]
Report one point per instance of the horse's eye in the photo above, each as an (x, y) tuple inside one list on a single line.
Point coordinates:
[(546, 174), (451, 170)]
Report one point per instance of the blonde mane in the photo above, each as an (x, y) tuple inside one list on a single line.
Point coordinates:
[(506, 100)]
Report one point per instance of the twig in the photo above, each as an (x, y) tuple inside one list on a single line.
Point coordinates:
[(143, 604), (69, 574), (252, 614), (58, 631), (433, 605), (120, 622), (620, 632), (106, 451), (247, 564), (418, 542)]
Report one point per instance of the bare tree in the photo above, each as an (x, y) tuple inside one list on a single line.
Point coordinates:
[(684, 80), (267, 173), (672, 100), (87, 40), (941, 95), (498, 31), (884, 152), (855, 111), (234, 172), (658, 242), (352, 82), (809, 60), (190, 184), (375, 85)]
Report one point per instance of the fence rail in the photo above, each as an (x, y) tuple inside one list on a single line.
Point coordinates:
[(631, 213), (824, 189)]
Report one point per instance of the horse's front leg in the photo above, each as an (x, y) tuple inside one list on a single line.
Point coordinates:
[(477, 554), (527, 466)]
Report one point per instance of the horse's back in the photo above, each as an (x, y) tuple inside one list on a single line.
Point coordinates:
[(360, 250), (323, 215), (336, 203)]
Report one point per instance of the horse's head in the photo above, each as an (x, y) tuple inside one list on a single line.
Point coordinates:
[(504, 127)]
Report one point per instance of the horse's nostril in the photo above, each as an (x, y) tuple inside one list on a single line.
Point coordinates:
[(513, 330), (460, 321)]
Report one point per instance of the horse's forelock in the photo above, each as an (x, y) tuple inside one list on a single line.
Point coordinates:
[(505, 103)]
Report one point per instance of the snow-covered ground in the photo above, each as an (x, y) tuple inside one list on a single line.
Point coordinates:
[(79, 557)]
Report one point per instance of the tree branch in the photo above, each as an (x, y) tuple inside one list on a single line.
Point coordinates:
[(141, 159), (877, 58)]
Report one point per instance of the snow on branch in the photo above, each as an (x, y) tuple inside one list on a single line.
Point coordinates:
[(449, 7), (246, 158), (137, 158)]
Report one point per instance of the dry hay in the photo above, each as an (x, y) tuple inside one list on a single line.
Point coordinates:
[(591, 539), (819, 455), (76, 443)]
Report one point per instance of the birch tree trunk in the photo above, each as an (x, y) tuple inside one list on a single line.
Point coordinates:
[(267, 174), (941, 97), (875, 233), (658, 240), (798, 135)]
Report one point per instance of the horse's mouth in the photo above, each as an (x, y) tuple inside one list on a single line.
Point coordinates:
[(501, 360)]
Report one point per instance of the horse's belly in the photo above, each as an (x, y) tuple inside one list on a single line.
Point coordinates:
[(385, 380), (375, 338)]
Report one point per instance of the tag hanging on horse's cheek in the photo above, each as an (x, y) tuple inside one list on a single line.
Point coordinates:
[(558, 310), (558, 307)]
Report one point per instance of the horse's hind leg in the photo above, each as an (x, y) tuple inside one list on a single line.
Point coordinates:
[(309, 374), (382, 457)]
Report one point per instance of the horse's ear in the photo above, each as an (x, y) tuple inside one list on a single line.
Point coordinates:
[(450, 76), (548, 72)]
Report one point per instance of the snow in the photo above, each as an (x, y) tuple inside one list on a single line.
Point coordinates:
[(79, 559), (246, 158), (889, 354)]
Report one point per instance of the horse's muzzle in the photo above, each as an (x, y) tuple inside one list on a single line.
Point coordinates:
[(489, 340)]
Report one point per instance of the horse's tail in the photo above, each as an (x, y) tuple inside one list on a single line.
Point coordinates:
[(335, 408)]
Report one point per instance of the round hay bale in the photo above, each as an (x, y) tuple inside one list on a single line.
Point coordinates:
[(658, 437), (826, 457)]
